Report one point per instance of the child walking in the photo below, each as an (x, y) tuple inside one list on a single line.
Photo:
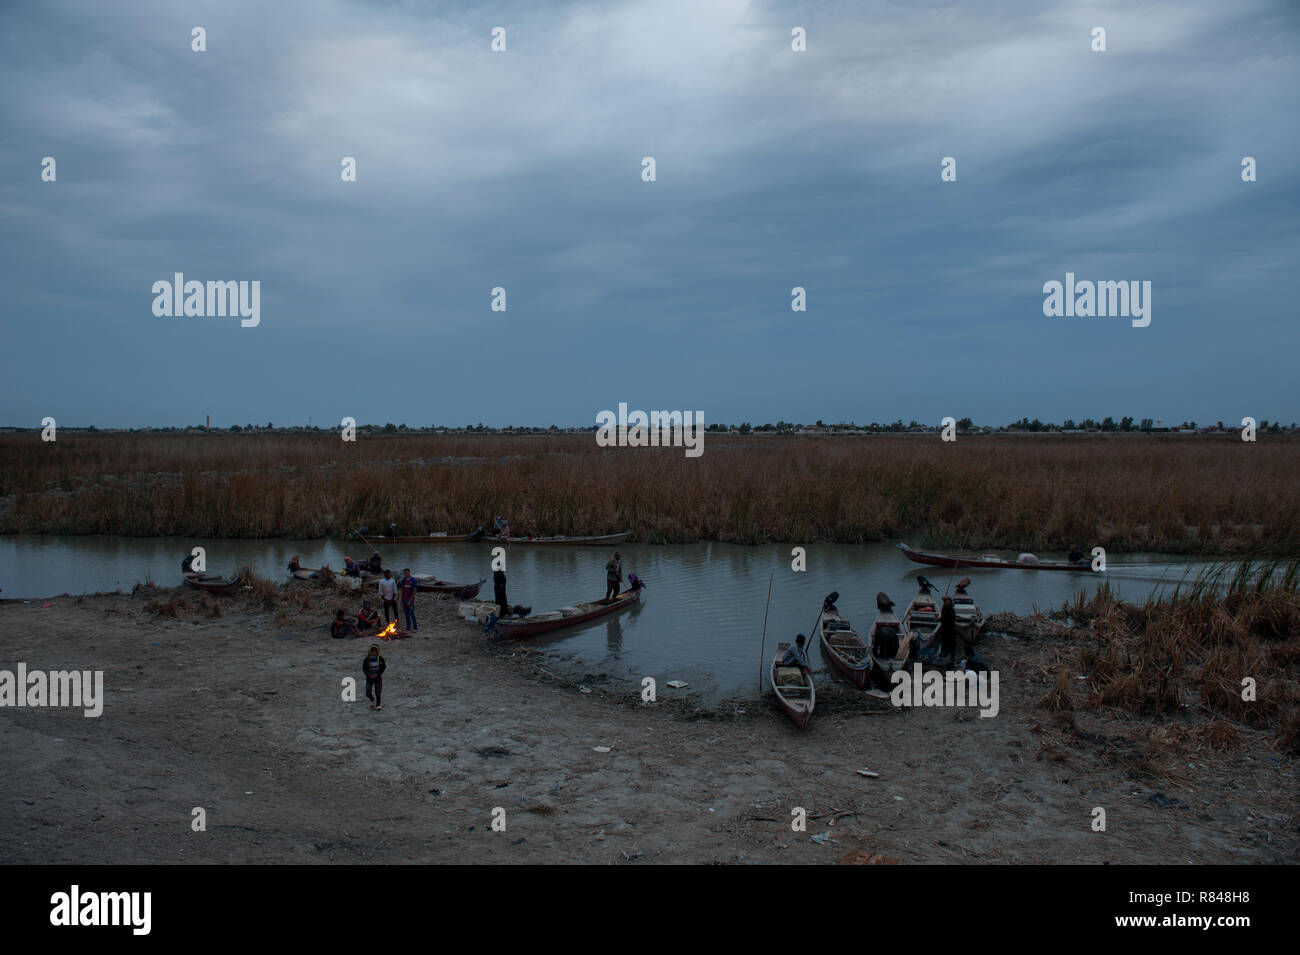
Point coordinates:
[(373, 667)]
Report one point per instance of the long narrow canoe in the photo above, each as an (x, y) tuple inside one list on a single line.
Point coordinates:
[(425, 583), (845, 650), (566, 617), (887, 655), (921, 621), (555, 541), (988, 560), (794, 689), (212, 584), (970, 619)]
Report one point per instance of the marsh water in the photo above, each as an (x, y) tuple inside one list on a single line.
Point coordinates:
[(701, 618)]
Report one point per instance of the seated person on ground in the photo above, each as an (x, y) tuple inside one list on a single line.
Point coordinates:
[(367, 616), (342, 627)]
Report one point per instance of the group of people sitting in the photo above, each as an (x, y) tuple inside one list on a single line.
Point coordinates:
[(366, 622), (355, 568)]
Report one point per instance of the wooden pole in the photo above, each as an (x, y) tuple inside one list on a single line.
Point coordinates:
[(762, 652)]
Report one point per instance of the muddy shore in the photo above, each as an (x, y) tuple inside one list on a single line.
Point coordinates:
[(238, 710)]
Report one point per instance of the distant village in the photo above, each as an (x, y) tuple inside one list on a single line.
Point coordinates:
[(963, 426)]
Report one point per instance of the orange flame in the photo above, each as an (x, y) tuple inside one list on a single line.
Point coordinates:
[(388, 632)]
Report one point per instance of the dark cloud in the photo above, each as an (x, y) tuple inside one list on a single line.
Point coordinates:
[(522, 170)]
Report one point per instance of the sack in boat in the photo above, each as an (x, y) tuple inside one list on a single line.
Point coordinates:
[(789, 676)]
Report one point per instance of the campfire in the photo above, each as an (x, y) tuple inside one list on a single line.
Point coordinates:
[(389, 632)]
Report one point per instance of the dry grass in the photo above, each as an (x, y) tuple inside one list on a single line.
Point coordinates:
[(1189, 655), (1174, 493)]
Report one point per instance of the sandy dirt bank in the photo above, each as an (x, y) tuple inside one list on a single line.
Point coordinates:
[(241, 714)]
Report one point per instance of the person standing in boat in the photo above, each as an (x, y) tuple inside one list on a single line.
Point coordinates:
[(373, 666), (501, 527), (409, 585), (796, 655), (499, 592), (388, 594), (613, 576)]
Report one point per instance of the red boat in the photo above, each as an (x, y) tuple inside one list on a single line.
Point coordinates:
[(988, 560), (567, 616)]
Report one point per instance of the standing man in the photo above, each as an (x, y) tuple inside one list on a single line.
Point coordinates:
[(408, 598), (948, 631), (613, 576), (501, 527), (373, 666), (499, 592), (388, 594)]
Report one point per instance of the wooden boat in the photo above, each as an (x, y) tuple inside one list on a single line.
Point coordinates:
[(845, 650), (794, 689), (883, 662), (212, 584), (921, 621), (433, 585), (558, 540), (991, 561), (424, 583), (566, 616), (970, 619)]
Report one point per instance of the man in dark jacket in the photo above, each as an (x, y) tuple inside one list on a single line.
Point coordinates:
[(499, 591), (613, 576), (947, 630), (373, 666)]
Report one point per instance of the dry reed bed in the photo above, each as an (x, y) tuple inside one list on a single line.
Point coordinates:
[(1182, 660), (1179, 494)]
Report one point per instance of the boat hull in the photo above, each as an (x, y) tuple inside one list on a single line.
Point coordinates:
[(212, 585), (799, 705), (944, 560), (834, 643), (596, 541), (529, 628)]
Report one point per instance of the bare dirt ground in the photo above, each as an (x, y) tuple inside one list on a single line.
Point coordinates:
[(241, 714)]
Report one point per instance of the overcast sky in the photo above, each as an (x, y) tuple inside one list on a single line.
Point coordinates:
[(522, 169)]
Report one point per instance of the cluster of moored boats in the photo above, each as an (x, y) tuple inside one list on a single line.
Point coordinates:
[(891, 645), (867, 663)]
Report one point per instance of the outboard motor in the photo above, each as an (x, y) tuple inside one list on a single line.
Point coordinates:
[(883, 603), (962, 585), (829, 602), (925, 585)]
